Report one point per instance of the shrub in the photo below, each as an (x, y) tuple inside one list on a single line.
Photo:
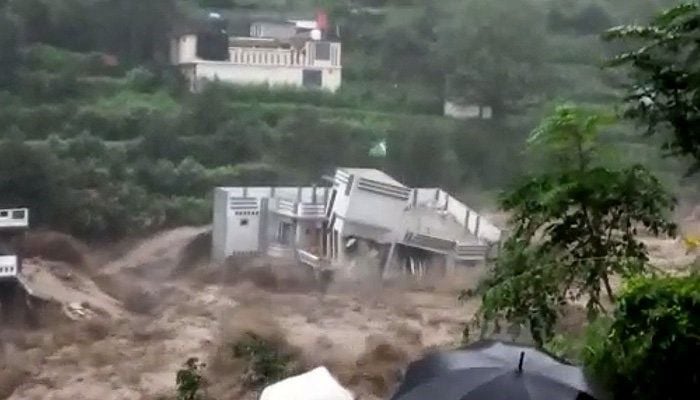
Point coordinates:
[(190, 381), (652, 343), (267, 362)]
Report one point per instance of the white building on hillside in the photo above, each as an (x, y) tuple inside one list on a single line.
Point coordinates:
[(288, 53), (364, 212)]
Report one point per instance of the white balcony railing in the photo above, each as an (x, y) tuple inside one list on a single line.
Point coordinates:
[(300, 210), (473, 252), (8, 267), (287, 207), (309, 259), (312, 210)]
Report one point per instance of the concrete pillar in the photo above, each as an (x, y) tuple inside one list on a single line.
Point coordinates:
[(245, 191), (478, 223), (263, 239), (389, 257), (450, 262)]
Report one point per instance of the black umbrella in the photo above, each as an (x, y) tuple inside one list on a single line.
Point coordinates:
[(491, 370)]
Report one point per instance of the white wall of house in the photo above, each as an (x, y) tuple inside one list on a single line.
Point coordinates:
[(249, 74), (243, 232), (467, 111), (355, 204), (263, 75), (220, 225), (183, 50), (374, 209), (236, 226)]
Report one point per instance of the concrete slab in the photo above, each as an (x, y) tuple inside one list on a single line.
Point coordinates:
[(436, 223), (373, 174)]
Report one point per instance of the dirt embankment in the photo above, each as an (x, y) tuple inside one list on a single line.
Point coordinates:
[(141, 315)]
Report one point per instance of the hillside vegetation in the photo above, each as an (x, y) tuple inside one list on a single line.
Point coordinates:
[(101, 139)]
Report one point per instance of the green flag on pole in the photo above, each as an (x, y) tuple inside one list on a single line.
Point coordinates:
[(379, 150)]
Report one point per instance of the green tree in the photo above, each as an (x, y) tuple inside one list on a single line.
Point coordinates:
[(654, 335), (422, 156), (573, 227), (313, 146), (9, 48), (32, 178), (189, 380), (664, 92), (493, 53)]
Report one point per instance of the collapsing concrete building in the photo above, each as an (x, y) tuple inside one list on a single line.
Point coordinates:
[(365, 216)]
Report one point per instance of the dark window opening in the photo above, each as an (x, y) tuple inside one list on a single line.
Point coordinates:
[(323, 51), (244, 222), (312, 78), (213, 45)]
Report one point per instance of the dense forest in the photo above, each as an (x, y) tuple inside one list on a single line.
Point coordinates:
[(101, 138)]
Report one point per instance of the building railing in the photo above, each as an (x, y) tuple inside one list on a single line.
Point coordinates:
[(312, 210), (309, 259), (300, 210), (430, 242), (286, 207), (471, 252), (8, 266), (305, 57), (462, 251)]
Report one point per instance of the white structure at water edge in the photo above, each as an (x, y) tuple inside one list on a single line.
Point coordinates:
[(13, 222), (286, 53), (365, 213)]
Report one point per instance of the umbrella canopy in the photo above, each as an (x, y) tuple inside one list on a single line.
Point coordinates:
[(491, 370)]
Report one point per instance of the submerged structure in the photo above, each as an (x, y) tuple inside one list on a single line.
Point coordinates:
[(365, 220), (13, 224)]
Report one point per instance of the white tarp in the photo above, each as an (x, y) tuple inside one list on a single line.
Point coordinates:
[(317, 384)]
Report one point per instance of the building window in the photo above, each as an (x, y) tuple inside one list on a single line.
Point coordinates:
[(244, 222), (312, 78), (323, 51)]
